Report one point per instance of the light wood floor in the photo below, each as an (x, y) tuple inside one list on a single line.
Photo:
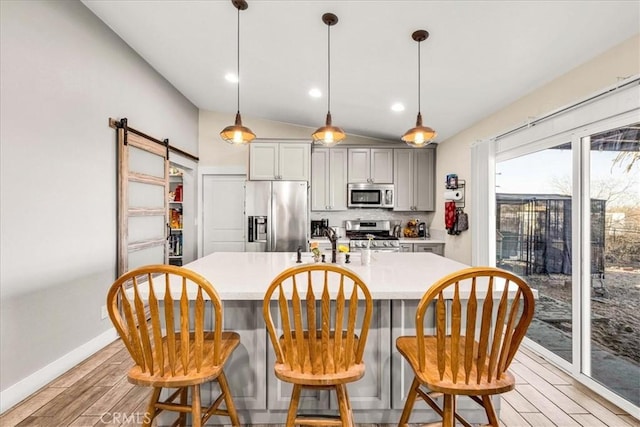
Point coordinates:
[(544, 396)]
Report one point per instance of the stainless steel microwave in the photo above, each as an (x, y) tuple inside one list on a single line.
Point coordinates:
[(370, 195)]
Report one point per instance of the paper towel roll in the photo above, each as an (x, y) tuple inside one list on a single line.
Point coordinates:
[(453, 195)]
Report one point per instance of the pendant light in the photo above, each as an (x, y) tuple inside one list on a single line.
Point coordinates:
[(238, 134), (328, 134), (419, 136)]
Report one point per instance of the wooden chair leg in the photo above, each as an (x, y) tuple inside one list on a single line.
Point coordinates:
[(293, 405), (196, 406), (490, 410), (182, 418), (408, 404), (344, 406), (151, 408), (228, 400), (449, 411)]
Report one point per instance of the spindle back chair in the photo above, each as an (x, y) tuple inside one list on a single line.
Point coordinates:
[(170, 320), (317, 317), (467, 360)]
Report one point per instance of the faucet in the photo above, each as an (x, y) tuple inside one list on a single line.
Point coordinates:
[(333, 238)]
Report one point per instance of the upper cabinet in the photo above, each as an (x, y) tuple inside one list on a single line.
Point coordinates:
[(329, 179), (371, 165), (286, 161), (414, 179)]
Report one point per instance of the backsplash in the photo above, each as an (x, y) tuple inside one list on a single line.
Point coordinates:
[(337, 218)]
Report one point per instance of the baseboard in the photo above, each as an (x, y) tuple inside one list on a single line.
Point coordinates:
[(22, 389)]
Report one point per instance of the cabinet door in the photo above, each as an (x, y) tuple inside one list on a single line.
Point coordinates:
[(359, 165), (263, 161), (403, 322), (247, 368), (337, 179), (403, 179), (425, 186), (436, 248), (406, 247), (320, 178), (381, 165), (293, 161), (371, 392)]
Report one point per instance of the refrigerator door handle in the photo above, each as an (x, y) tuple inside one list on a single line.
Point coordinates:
[(272, 227)]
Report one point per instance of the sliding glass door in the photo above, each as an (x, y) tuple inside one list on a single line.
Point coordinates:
[(567, 219), (534, 206), (611, 289)]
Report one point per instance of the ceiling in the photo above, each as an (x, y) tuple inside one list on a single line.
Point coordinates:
[(480, 57)]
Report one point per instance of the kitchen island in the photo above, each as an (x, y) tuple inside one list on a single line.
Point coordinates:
[(396, 281)]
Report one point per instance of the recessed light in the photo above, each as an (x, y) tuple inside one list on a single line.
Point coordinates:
[(397, 107), (315, 93), (230, 77)]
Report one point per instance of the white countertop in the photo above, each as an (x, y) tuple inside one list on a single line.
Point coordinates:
[(246, 275)]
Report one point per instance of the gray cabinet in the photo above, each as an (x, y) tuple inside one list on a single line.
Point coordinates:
[(436, 248), (406, 247), (287, 161), (370, 165), (425, 246), (414, 179), (247, 368), (371, 392), (329, 179)]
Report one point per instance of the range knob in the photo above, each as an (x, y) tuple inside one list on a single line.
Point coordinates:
[(386, 244)]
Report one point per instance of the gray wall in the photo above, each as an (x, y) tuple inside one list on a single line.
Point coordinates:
[(63, 74)]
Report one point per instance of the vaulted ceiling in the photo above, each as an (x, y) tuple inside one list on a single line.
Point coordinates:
[(480, 56)]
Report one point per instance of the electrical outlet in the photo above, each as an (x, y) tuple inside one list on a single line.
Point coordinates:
[(103, 312)]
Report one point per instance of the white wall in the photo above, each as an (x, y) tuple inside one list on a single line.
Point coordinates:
[(454, 154), (63, 74)]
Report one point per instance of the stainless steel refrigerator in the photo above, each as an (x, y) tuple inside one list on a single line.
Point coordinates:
[(276, 216)]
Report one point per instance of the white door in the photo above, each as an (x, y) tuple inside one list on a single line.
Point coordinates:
[(223, 227)]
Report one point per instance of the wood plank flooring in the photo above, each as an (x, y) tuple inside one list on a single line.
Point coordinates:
[(544, 396)]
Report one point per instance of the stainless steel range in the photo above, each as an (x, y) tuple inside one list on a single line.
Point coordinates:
[(359, 231)]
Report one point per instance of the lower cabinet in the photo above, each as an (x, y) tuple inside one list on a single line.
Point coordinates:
[(378, 397), (370, 392), (436, 248)]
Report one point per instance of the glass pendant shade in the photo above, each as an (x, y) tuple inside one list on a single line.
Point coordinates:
[(419, 136), (237, 134), (328, 135)]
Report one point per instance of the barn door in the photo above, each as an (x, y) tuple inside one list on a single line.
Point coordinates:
[(143, 186)]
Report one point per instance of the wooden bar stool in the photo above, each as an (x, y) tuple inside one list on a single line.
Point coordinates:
[(459, 362), (172, 344), (323, 312)]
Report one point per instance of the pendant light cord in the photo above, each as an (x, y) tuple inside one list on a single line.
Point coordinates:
[(238, 62), (328, 68), (419, 77)]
